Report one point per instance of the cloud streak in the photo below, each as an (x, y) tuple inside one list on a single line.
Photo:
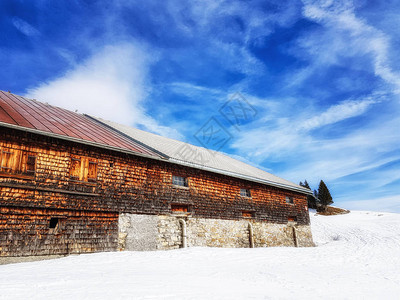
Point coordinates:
[(364, 38), (304, 142), (25, 28), (337, 113), (111, 84)]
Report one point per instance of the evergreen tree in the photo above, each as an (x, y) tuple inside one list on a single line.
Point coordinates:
[(324, 196), (306, 185), (311, 200)]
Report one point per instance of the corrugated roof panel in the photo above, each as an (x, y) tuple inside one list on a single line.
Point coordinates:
[(6, 117), (8, 105), (40, 119), (20, 111)]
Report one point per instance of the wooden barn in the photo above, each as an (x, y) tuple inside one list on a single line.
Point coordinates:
[(72, 183)]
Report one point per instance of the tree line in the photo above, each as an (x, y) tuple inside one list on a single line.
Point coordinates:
[(321, 198)]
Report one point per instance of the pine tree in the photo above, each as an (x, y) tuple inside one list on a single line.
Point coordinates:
[(324, 196), (306, 185), (311, 200)]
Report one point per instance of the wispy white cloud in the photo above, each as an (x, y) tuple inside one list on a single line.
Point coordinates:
[(25, 27), (284, 131), (111, 84), (337, 113), (349, 35), (187, 88), (291, 139), (305, 137)]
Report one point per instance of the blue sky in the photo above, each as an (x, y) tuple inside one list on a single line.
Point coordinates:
[(320, 79)]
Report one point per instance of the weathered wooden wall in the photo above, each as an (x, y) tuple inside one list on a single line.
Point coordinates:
[(124, 183), (25, 231)]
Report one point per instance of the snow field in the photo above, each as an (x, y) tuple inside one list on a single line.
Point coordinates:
[(358, 257)]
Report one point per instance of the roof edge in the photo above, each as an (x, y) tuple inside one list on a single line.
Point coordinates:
[(127, 136), (77, 140)]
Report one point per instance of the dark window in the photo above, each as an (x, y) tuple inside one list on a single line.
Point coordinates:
[(245, 193), (179, 208), (289, 199), (83, 169), (247, 214), (31, 164), (53, 223), (180, 181), (292, 219)]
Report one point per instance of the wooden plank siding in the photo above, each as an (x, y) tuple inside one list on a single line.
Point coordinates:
[(28, 231), (88, 185)]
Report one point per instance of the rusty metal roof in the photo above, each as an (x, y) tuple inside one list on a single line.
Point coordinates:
[(45, 118)]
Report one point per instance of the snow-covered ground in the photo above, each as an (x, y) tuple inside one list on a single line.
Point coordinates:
[(358, 257)]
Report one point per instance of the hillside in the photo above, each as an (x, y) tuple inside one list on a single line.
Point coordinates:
[(357, 257)]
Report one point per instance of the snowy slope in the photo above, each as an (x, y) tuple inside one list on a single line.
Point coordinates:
[(358, 257)]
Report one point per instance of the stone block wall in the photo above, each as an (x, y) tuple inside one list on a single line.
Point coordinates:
[(137, 232), (164, 232)]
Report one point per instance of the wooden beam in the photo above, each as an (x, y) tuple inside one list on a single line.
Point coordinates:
[(42, 189)]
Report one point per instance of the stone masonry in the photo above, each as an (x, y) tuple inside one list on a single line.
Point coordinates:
[(143, 232)]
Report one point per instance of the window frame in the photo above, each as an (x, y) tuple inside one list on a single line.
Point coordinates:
[(54, 223), (81, 172), (180, 208), (246, 193), (180, 179), (30, 171), (94, 163), (75, 168), (248, 214), (18, 163), (289, 200)]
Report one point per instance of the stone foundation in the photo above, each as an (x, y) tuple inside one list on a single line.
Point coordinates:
[(163, 232), (137, 232)]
